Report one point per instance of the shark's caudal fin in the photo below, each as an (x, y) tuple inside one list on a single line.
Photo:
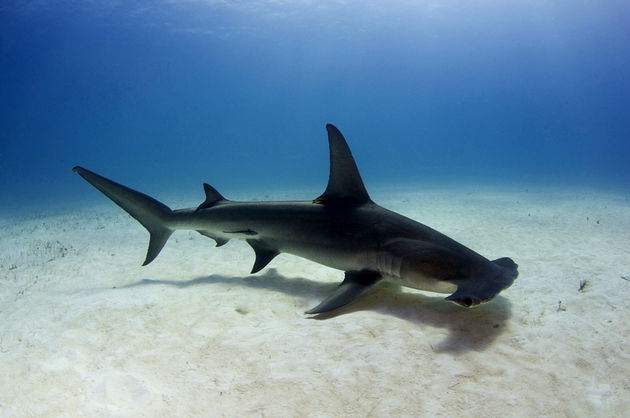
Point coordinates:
[(344, 183), (145, 209)]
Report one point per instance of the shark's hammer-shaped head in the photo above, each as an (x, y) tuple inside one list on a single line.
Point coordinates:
[(486, 285)]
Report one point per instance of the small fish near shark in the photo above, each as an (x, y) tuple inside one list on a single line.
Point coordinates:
[(343, 229)]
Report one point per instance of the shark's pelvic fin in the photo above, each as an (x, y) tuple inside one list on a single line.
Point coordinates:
[(264, 255), (354, 285), (212, 198), (220, 241), (152, 214), (344, 183)]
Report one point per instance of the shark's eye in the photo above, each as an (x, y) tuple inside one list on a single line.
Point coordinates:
[(467, 302)]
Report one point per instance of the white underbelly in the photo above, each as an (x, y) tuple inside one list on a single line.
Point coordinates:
[(337, 258), (391, 267), (423, 283)]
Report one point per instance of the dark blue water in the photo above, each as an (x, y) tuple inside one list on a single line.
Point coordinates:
[(163, 95)]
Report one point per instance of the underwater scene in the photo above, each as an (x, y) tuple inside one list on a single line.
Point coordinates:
[(334, 208)]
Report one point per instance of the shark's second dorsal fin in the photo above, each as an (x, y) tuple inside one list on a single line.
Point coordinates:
[(212, 197), (344, 184)]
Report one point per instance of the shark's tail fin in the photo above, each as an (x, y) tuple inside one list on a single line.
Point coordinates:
[(152, 214)]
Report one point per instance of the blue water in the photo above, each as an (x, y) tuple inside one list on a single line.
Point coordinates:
[(163, 95)]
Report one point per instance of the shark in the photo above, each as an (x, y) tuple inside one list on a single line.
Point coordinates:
[(342, 228)]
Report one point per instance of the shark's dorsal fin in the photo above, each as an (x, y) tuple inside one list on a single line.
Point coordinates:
[(212, 197), (344, 183)]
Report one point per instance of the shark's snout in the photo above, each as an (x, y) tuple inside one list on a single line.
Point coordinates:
[(510, 267)]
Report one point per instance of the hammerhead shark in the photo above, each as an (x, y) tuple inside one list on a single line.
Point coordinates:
[(343, 229)]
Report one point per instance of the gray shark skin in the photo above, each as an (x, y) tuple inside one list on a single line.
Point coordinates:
[(343, 229)]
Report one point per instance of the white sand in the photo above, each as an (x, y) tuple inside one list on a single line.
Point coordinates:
[(86, 331)]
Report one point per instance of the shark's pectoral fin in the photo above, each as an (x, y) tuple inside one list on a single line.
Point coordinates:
[(264, 255), (354, 285)]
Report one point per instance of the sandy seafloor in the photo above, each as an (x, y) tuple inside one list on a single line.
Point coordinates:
[(86, 331)]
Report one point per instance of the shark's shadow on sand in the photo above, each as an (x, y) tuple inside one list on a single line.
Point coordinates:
[(468, 330)]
